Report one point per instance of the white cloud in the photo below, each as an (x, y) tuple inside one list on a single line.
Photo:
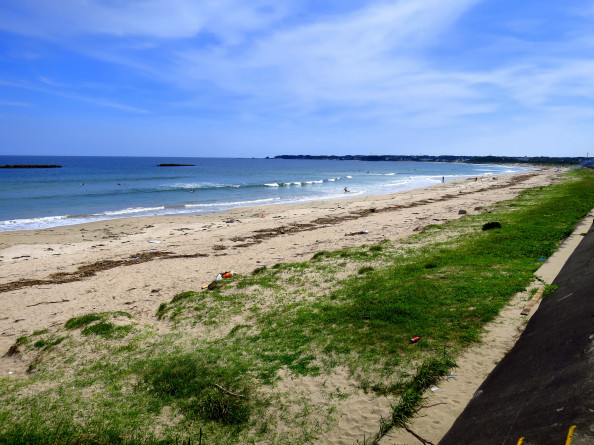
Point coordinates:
[(372, 57), (167, 19)]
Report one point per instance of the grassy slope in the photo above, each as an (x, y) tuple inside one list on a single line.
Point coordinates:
[(106, 379)]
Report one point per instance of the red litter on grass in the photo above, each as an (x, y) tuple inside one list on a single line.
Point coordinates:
[(415, 339)]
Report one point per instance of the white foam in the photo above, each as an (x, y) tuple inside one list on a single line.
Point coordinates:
[(128, 211), (232, 204)]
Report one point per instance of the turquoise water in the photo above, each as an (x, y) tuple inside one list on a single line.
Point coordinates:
[(97, 188)]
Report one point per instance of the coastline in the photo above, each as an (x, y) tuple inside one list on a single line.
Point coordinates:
[(111, 190), (239, 239)]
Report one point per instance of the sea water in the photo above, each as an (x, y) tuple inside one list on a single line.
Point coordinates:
[(89, 189)]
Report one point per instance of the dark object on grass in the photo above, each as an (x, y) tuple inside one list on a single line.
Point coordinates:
[(462, 212), (216, 284), (176, 165), (492, 225), (13, 350), (30, 166)]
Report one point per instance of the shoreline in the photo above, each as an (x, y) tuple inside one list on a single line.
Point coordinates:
[(183, 208), (187, 252)]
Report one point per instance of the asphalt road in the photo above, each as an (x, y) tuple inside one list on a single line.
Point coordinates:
[(542, 392)]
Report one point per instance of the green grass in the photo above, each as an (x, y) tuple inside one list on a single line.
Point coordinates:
[(357, 308), (107, 330), (104, 328), (84, 320), (202, 387)]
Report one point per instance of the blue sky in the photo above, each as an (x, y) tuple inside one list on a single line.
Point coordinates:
[(267, 77)]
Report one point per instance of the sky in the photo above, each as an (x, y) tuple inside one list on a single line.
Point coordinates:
[(260, 78)]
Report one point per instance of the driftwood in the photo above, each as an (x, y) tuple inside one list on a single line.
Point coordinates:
[(48, 302), (424, 441), (229, 392)]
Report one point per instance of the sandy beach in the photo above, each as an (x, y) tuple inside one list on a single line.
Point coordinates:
[(50, 275)]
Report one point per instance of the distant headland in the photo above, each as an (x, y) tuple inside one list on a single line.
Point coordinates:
[(534, 160), (30, 166), (176, 165)]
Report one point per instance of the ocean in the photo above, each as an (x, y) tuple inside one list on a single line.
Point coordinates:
[(89, 188)]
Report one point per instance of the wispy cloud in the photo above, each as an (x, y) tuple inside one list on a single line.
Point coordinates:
[(169, 19), (13, 104), (67, 92), (370, 57)]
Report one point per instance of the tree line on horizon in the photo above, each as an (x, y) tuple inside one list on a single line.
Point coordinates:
[(548, 160)]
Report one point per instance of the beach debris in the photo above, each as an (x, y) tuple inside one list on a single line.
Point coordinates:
[(13, 350), (215, 284), (542, 259), (422, 440), (91, 269), (48, 302), (492, 225), (415, 339), (152, 241), (361, 232), (10, 372), (452, 377), (434, 388), (462, 212)]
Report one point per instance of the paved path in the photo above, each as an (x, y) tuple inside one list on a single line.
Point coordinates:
[(542, 392)]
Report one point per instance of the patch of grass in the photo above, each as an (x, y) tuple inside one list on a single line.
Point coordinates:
[(107, 330), (549, 289), (258, 270), (103, 328), (366, 269), (23, 340), (48, 343), (40, 343), (183, 296), (84, 320), (161, 311), (319, 255), (201, 386), (428, 374)]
